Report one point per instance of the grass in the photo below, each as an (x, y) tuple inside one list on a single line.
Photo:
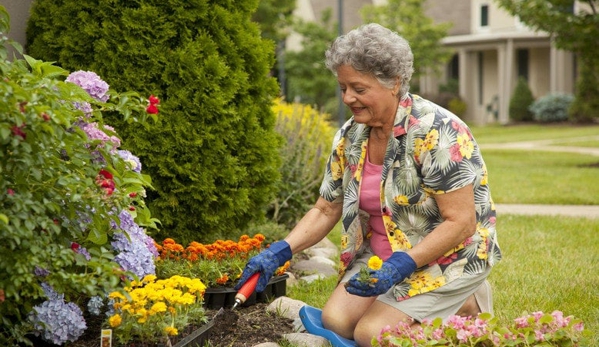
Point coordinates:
[(537, 177), (549, 262), (517, 133)]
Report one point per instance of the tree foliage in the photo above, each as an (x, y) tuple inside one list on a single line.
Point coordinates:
[(213, 158), (274, 18), (308, 78), (573, 26), (407, 18)]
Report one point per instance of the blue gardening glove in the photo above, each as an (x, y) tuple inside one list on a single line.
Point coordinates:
[(266, 263), (399, 266)]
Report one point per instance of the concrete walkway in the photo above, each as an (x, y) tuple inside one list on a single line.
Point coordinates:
[(584, 211)]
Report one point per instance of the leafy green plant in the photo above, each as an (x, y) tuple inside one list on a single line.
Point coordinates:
[(308, 137), (214, 160), (62, 186), (552, 108), (520, 102)]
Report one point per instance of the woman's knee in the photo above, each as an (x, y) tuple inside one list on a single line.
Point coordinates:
[(366, 330), (337, 322)]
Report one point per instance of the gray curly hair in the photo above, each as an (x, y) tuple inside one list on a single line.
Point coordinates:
[(374, 49)]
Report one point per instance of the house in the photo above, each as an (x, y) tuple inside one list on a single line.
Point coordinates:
[(492, 50)]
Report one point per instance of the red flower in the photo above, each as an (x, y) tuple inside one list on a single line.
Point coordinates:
[(45, 117), (106, 174), (131, 208), (18, 131), (104, 180), (10, 192), (153, 100), (132, 195), (75, 247), (152, 109)]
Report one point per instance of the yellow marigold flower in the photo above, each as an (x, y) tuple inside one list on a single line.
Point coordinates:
[(149, 278), (171, 331), (116, 295), (158, 307), (375, 262), (115, 320)]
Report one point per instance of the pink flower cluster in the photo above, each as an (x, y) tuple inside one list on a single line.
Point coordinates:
[(535, 329)]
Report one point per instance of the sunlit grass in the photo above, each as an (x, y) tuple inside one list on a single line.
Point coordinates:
[(549, 263), (516, 133), (536, 177)]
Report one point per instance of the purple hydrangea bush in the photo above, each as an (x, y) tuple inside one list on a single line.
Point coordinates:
[(56, 319)]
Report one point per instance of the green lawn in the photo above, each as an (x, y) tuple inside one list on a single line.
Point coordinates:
[(549, 262), (537, 177), (518, 133)]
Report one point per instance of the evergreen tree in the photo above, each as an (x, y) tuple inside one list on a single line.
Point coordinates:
[(521, 100), (213, 158)]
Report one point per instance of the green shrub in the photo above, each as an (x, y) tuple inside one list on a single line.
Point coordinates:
[(521, 99), (552, 108), (59, 190), (213, 158), (586, 103), (457, 106), (308, 137)]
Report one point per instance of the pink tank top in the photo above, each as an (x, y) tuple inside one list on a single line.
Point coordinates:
[(370, 201)]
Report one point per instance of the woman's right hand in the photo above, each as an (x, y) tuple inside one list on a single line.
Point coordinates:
[(266, 263)]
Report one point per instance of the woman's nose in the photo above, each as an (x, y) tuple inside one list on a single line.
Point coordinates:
[(348, 97)]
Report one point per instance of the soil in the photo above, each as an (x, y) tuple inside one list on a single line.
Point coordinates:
[(246, 326)]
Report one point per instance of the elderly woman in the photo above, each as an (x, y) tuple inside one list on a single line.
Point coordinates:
[(408, 182)]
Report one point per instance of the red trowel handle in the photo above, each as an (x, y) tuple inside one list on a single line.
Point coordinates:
[(247, 289)]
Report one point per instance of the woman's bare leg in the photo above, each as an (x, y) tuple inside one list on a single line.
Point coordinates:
[(343, 311)]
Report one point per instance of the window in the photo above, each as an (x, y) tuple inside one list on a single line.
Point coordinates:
[(522, 63), (484, 15)]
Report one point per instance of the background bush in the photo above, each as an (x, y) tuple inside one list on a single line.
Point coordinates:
[(308, 136), (552, 108), (213, 158), (520, 101)]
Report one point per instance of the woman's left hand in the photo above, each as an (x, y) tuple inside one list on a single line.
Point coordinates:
[(399, 266)]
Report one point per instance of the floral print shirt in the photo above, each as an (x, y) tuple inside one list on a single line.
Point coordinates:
[(431, 152)]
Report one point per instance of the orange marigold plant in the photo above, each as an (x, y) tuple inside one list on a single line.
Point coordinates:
[(217, 264)]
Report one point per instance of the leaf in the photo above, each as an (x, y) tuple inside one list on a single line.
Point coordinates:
[(4, 218), (98, 237)]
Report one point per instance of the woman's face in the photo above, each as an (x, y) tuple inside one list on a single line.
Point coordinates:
[(370, 102)]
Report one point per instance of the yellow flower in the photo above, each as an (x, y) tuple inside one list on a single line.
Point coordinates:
[(466, 145), (375, 262), (158, 307), (115, 320), (172, 331)]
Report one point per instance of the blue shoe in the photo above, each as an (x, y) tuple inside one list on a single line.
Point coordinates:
[(312, 319)]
